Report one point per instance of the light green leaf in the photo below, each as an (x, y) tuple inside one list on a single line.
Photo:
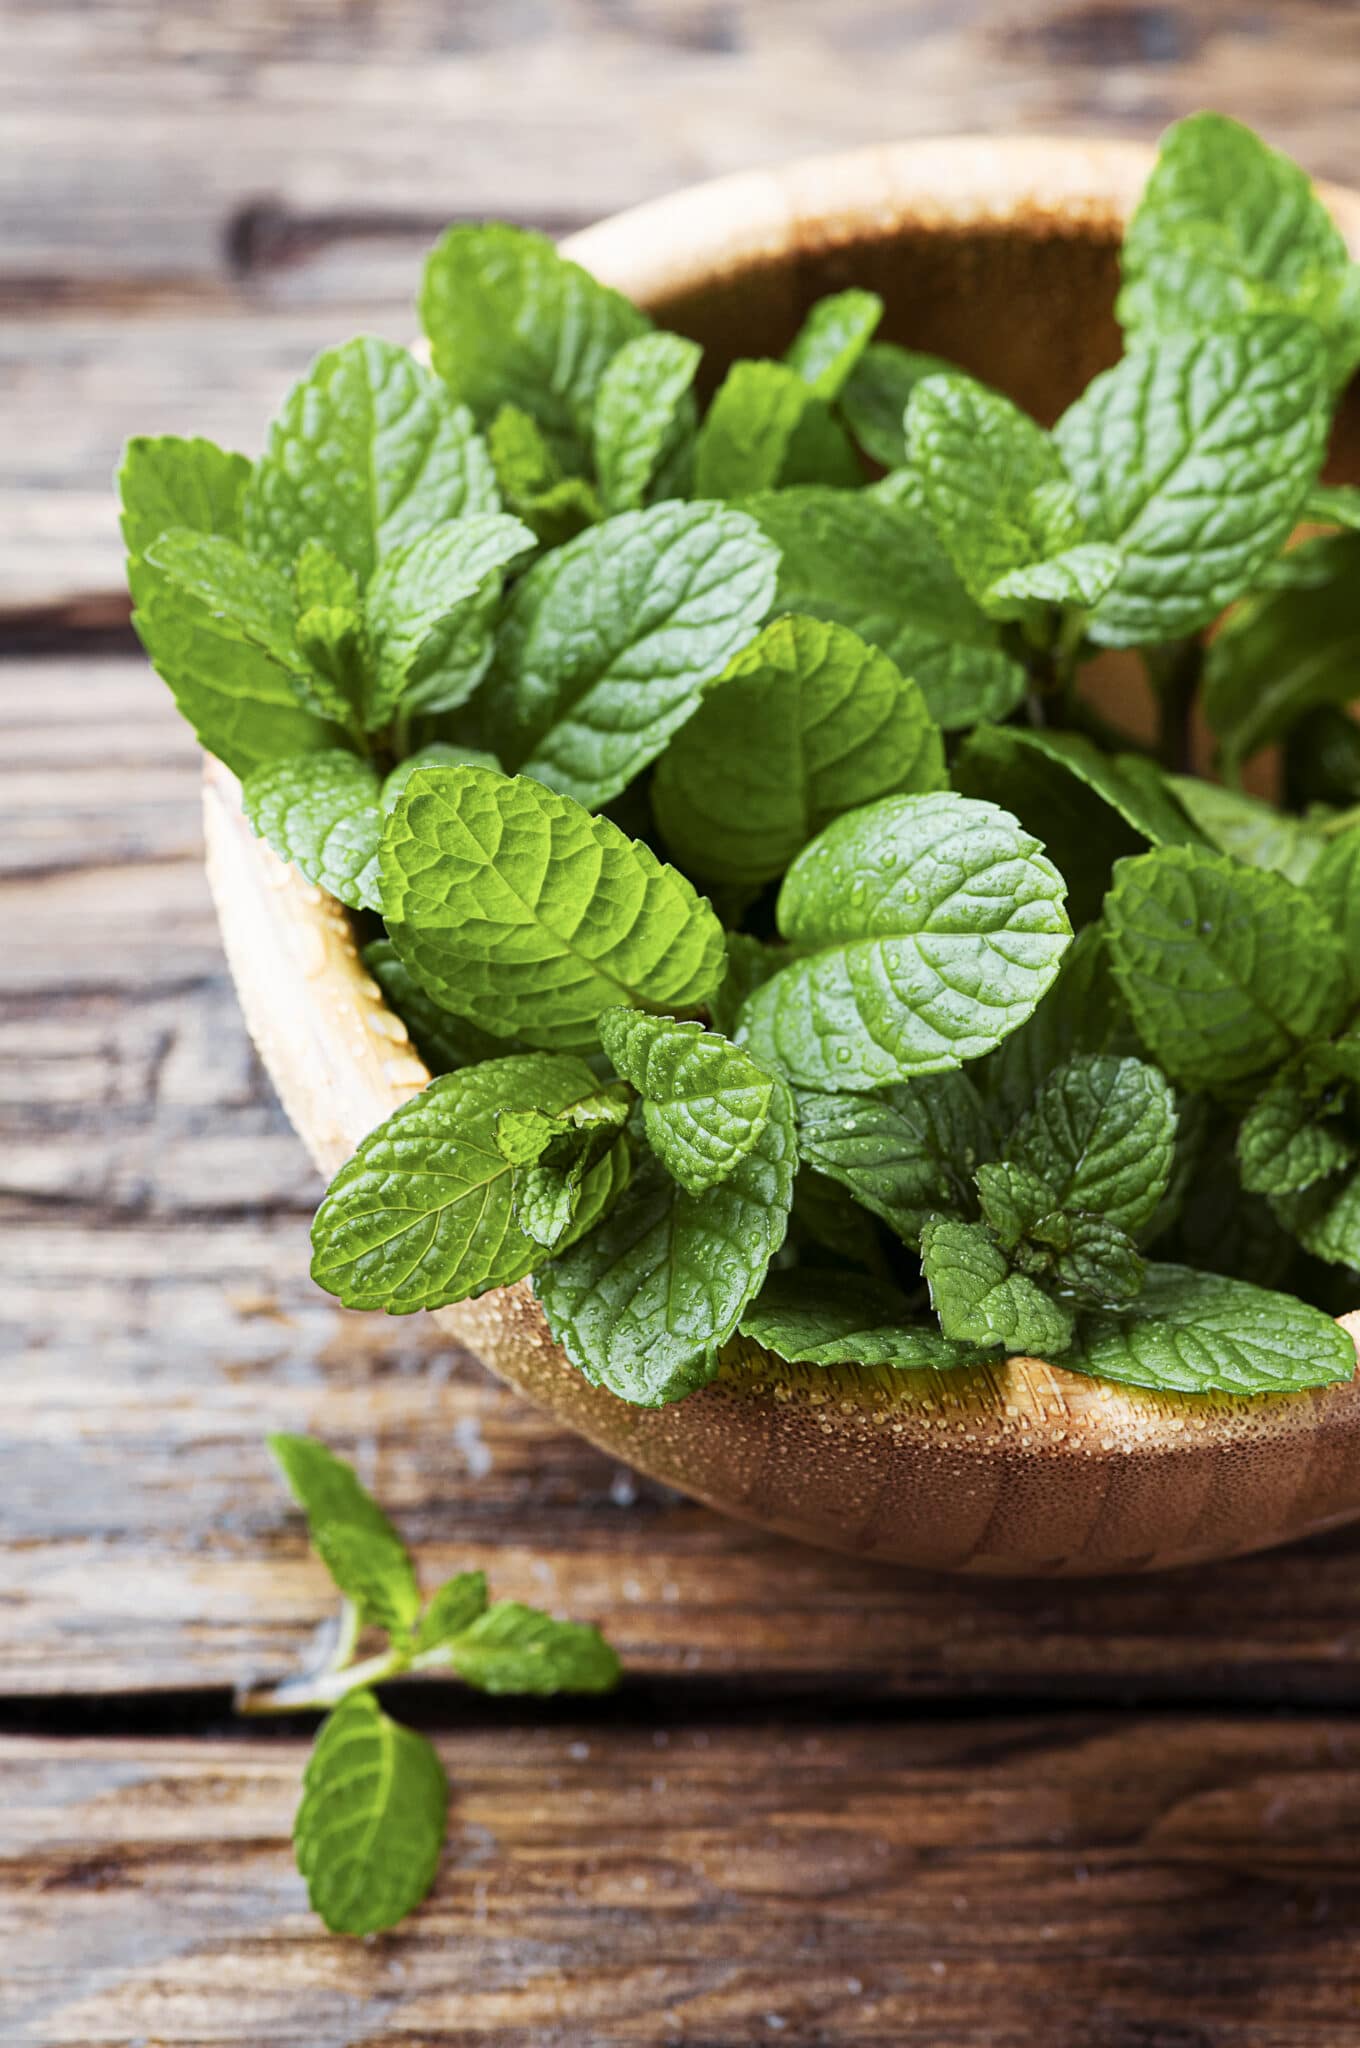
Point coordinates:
[(1248, 828), (979, 1300), (833, 338), (444, 1042), (1193, 457), (331, 634), (438, 754), (643, 413), (516, 908), (704, 1101), (644, 1303), (1285, 1144), (1198, 1333), (372, 1820), (804, 723), (430, 583), (367, 451), (1227, 969), (1101, 1134), (844, 1319), (423, 1214), (513, 323), (451, 1609), (877, 567), (748, 432), (1286, 653), (513, 1649), (353, 1537), (166, 482), (907, 1154), (929, 927), (554, 1155), (533, 482), (608, 642), (1333, 505), (247, 598), (322, 812), (1077, 577), (877, 393)]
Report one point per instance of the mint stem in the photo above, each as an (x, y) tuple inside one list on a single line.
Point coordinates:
[(322, 1689)]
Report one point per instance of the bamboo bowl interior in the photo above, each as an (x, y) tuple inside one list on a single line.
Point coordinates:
[(1002, 257)]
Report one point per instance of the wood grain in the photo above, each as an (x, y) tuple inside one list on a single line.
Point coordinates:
[(1083, 1882)]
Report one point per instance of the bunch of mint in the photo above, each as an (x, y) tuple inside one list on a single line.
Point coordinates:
[(725, 783)]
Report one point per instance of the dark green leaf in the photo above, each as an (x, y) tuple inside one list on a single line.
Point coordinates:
[(876, 395), (1284, 654), (905, 1155), (704, 1101), (1101, 1134), (833, 1319), (443, 1041), (1285, 1144), (1198, 1333), (979, 1300)]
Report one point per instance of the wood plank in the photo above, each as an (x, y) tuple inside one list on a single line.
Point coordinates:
[(156, 1319), (1181, 1882)]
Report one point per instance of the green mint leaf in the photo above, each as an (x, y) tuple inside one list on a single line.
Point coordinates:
[(930, 926), (367, 451), (1100, 1266), (423, 1214), (1325, 1218), (644, 414), (704, 1101), (1284, 1144), (644, 1303), (749, 962), (906, 1155), (554, 1156), (444, 1042), (518, 909), (1233, 420), (1199, 1333), (804, 723), (877, 567), (451, 1609), (426, 585), (247, 598), (1077, 577), (1227, 970), (533, 483), (1286, 653), (1013, 1200), (331, 634), (1248, 828), (979, 1300), (513, 1649), (1102, 1134), (1228, 226), (839, 1319), (513, 323), (748, 435), (353, 1537), (607, 643), (322, 812), (1333, 882), (1333, 505), (372, 1820), (877, 393), (833, 338), (438, 754), (1082, 1012), (165, 482)]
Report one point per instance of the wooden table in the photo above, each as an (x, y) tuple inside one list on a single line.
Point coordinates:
[(832, 1804)]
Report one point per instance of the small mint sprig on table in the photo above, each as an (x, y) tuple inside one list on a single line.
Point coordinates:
[(374, 1809)]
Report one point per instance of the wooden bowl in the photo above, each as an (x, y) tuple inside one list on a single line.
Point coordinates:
[(1001, 256)]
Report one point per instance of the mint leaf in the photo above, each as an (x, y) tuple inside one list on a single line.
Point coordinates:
[(1284, 1144), (443, 1041), (331, 634), (1333, 505), (438, 754), (1284, 654), (607, 643), (1248, 828), (1101, 1134), (1082, 1012), (451, 1609), (165, 482), (353, 1537), (555, 1154), (372, 1820), (948, 951), (321, 811), (704, 1101), (862, 562), (905, 1155), (1193, 457), (1226, 969), (1333, 882), (1199, 1333), (833, 338), (750, 434), (643, 415), (876, 394), (516, 908), (834, 1319), (1325, 1218), (1077, 577), (512, 1648), (979, 1300), (248, 599), (533, 483), (367, 451), (645, 1302), (804, 723), (749, 962), (1100, 1266), (423, 1214), (426, 585), (1014, 1200), (513, 323)]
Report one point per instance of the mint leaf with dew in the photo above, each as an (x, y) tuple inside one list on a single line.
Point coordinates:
[(1013, 1200), (1234, 420), (926, 929), (829, 1319), (322, 812), (1250, 829), (351, 1534), (1286, 1142), (979, 1300), (1199, 1333), (644, 1303), (516, 1649), (554, 1154), (451, 1609), (1227, 970), (1285, 653), (331, 634), (874, 400), (516, 908), (511, 322), (444, 1042), (607, 644), (704, 1101), (1101, 1134), (877, 567), (1228, 226), (906, 1154), (423, 1213), (534, 484), (367, 452), (833, 338), (1099, 1267), (372, 1820), (804, 723), (424, 586), (644, 413)]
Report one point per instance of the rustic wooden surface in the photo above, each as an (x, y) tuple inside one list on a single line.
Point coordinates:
[(832, 1804)]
